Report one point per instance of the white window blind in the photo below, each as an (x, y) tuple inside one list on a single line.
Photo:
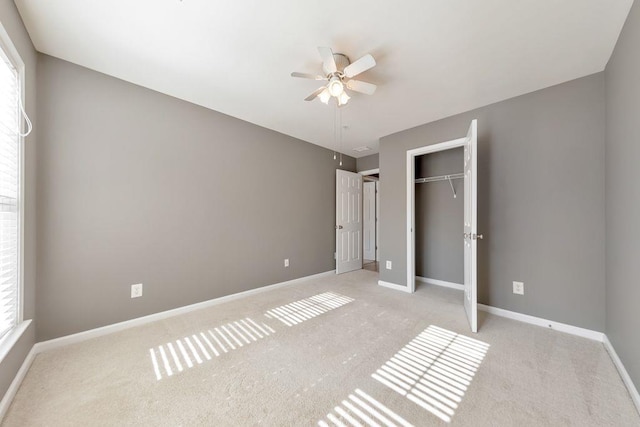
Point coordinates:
[(10, 115)]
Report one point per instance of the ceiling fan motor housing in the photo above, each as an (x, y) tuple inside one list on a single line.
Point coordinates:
[(341, 63)]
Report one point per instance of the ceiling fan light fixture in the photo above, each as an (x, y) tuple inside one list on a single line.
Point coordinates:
[(343, 98), (336, 87), (336, 67), (325, 96)]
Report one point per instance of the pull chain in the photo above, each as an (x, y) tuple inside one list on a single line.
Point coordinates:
[(26, 118)]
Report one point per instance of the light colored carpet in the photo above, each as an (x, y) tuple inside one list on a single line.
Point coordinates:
[(330, 351)]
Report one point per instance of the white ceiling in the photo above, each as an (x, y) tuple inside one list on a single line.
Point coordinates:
[(435, 58)]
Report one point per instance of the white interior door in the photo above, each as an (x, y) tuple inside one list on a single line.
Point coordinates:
[(471, 226), (369, 221), (348, 221)]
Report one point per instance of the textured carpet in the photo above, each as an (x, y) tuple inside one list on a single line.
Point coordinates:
[(333, 351)]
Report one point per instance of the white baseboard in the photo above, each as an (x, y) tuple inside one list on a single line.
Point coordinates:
[(442, 283), (17, 381), (626, 379), (394, 286), (562, 327), (127, 324)]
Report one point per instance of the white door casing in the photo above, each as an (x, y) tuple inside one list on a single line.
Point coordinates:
[(470, 216), (348, 221), (377, 219), (369, 221), (471, 226)]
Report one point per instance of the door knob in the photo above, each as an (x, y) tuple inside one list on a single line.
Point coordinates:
[(478, 237), (338, 227)]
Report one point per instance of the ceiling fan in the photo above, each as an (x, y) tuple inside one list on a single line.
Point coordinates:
[(339, 72)]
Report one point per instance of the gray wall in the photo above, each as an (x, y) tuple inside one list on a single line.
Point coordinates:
[(623, 195), (541, 200), (367, 163), (440, 217), (136, 186), (12, 23)]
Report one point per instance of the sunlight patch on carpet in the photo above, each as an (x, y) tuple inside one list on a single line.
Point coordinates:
[(361, 409), (434, 370), (300, 311), (187, 352)]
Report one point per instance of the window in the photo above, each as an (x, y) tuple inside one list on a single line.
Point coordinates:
[(11, 139)]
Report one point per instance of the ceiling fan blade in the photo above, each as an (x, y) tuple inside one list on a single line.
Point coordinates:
[(315, 94), (360, 66), (327, 59), (307, 76), (362, 87)]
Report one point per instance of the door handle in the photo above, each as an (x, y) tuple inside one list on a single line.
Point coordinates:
[(338, 227), (478, 237)]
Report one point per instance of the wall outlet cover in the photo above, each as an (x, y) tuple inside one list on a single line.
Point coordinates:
[(286, 262), (389, 265), (136, 290), (518, 288)]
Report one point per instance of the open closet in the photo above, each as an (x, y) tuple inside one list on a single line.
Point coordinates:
[(440, 166), (439, 218)]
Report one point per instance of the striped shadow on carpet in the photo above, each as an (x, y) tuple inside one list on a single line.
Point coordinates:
[(363, 408), (434, 370), (300, 311), (193, 350)]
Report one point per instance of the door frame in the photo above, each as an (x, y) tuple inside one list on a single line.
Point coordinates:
[(369, 200), (346, 266), (369, 172), (411, 203)]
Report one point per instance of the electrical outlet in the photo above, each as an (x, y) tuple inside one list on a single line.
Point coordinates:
[(136, 290), (518, 288), (286, 262), (388, 265)]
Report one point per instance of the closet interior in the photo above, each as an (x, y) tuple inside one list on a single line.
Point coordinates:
[(439, 217)]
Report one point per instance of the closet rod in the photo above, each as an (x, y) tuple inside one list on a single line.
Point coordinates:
[(440, 178)]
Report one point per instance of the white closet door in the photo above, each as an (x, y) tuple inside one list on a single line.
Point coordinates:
[(471, 226)]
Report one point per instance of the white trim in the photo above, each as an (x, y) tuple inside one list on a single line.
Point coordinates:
[(12, 337), (127, 324), (17, 381), (456, 286), (370, 172), (410, 167), (562, 327), (626, 379), (394, 286)]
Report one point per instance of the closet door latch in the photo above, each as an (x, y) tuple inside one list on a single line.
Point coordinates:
[(473, 236)]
